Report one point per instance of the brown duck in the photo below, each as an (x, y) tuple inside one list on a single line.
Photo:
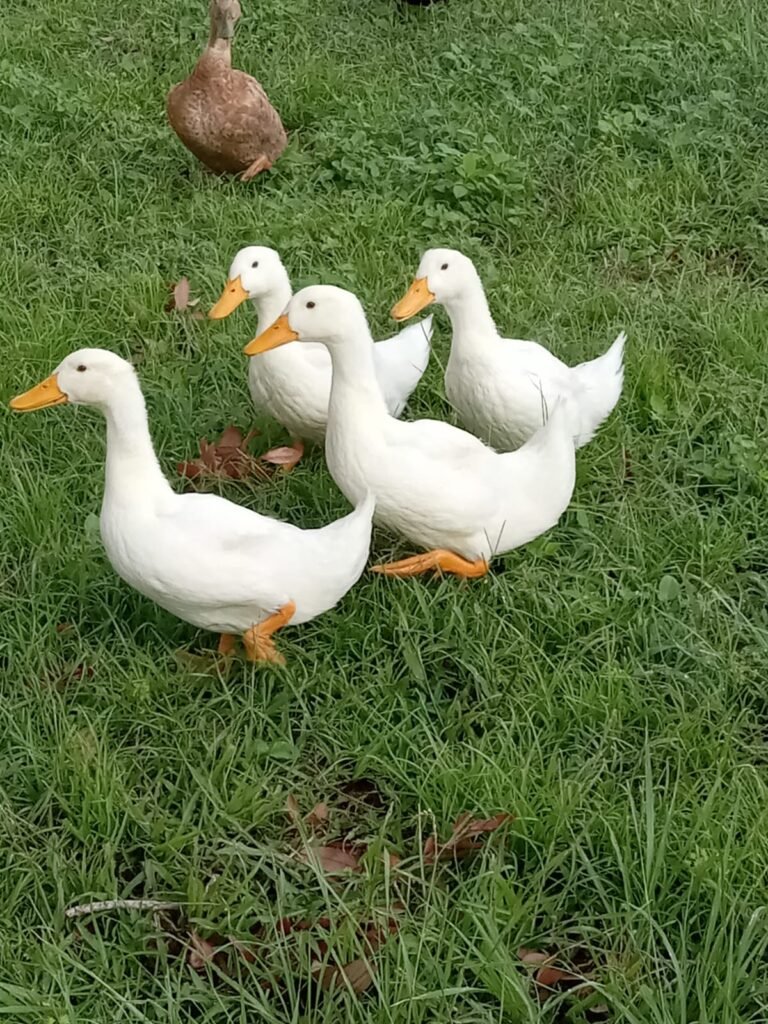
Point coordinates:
[(222, 115)]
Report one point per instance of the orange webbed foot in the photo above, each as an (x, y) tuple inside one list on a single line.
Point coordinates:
[(440, 561), (259, 645)]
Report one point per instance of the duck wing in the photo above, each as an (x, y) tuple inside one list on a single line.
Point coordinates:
[(401, 361)]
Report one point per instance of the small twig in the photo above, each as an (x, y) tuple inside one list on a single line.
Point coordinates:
[(95, 908)]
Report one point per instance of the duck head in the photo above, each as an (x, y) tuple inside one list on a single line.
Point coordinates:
[(256, 273), (319, 313), (441, 277), (90, 376), (224, 15)]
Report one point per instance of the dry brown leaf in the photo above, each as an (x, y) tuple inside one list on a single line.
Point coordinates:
[(549, 976), (245, 951), (229, 458), (332, 859), (179, 300), (59, 679), (318, 815), (286, 925), (292, 809), (628, 474), (286, 455), (376, 935), (357, 974), (465, 838), (533, 956), (202, 952)]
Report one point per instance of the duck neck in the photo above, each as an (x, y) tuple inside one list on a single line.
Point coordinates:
[(269, 307), (133, 475), (470, 316), (355, 390), (220, 37)]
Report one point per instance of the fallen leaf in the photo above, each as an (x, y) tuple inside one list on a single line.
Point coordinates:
[(376, 935), (287, 925), (60, 678), (357, 974), (287, 455), (202, 952), (318, 815), (332, 859), (465, 838), (292, 809), (179, 299), (549, 977), (229, 458), (533, 956), (246, 952), (392, 859), (628, 474)]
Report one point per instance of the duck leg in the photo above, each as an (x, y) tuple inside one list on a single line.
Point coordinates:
[(226, 644), (440, 560), (259, 645), (261, 163)]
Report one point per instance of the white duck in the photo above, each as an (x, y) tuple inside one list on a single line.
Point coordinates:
[(437, 485), (502, 388), (294, 385), (213, 563)]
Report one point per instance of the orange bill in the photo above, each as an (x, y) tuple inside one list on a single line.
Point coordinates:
[(415, 299), (41, 396), (280, 333), (234, 295)]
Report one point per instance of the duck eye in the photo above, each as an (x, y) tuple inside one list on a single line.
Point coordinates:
[(444, 266), (81, 368), (310, 305), (255, 264)]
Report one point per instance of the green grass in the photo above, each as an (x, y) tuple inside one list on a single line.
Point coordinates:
[(605, 164)]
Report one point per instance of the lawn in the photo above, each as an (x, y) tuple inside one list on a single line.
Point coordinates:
[(606, 165)]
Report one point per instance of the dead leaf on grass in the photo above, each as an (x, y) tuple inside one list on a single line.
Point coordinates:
[(533, 956), (228, 459), (332, 859), (179, 298), (286, 455), (318, 815), (202, 952), (60, 678), (551, 977), (465, 839), (292, 809), (357, 975)]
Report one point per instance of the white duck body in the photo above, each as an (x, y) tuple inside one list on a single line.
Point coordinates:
[(212, 563), (293, 384), (503, 388), (433, 483)]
